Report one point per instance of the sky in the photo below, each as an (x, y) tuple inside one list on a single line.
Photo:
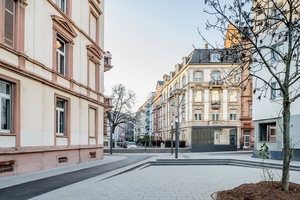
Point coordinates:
[(148, 37)]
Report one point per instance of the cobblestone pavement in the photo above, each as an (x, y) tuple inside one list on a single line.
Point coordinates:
[(162, 183)]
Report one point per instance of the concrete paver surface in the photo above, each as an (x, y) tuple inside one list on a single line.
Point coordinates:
[(127, 180), (162, 183)]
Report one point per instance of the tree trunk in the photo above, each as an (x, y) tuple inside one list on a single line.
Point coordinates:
[(286, 145)]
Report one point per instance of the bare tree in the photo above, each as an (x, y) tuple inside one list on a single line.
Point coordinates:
[(122, 100), (263, 23)]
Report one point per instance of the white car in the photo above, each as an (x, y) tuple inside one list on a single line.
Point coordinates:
[(131, 145)]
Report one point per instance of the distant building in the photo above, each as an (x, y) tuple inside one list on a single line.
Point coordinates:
[(247, 125), (157, 112), (148, 113)]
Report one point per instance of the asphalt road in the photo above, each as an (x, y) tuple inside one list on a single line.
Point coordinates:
[(34, 188)]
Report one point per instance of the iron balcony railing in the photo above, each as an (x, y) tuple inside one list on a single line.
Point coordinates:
[(215, 103), (216, 83)]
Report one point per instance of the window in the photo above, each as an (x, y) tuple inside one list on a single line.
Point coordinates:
[(9, 22), (62, 5), (216, 76), (94, 25), (198, 77), (5, 107), (197, 115), (215, 95), (267, 131), (216, 133), (274, 56), (233, 115), (183, 116), (198, 96), (273, 92), (233, 95), (233, 78), (215, 115), (61, 56), (60, 116), (92, 75), (276, 13), (183, 81), (215, 57), (93, 125), (250, 110)]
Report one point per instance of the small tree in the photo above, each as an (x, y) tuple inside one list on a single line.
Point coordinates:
[(267, 22), (123, 100)]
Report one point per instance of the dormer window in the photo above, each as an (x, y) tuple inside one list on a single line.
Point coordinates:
[(215, 57)]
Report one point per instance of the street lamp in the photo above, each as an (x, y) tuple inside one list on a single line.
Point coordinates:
[(171, 137), (177, 136)]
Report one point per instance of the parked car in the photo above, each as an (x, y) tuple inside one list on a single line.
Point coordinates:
[(125, 143), (131, 145)]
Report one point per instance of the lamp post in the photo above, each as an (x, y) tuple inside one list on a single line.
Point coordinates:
[(177, 140), (171, 137)]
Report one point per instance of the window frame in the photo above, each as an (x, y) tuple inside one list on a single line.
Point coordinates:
[(233, 115), (198, 96), (9, 117), (96, 123), (215, 57), (15, 109), (63, 53), (67, 118), (215, 93), (232, 95), (213, 76), (198, 115), (65, 5), (215, 115), (198, 80), (58, 117), (92, 12), (273, 92)]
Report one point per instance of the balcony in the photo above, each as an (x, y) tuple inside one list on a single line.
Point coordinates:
[(216, 103), (216, 83)]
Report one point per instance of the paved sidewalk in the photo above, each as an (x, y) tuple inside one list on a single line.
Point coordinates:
[(152, 182)]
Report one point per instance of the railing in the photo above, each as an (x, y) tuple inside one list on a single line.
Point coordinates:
[(215, 103), (216, 83)]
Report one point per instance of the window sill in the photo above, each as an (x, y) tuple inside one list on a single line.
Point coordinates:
[(62, 136), (7, 134)]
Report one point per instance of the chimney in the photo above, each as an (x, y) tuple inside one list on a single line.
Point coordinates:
[(206, 46)]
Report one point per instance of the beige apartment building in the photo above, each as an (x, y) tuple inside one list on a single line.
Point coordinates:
[(51, 83), (205, 87)]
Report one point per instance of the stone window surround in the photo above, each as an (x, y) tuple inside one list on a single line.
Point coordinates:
[(67, 118), (194, 95), (15, 109), (96, 123), (67, 35)]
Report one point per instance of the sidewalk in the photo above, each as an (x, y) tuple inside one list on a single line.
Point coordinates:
[(152, 182)]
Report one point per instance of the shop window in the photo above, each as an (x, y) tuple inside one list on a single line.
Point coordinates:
[(267, 132)]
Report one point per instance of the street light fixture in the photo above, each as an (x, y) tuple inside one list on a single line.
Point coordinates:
[(171, 137), (177, 136)]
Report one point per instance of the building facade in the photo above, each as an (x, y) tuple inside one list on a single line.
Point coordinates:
[(267, 112), (208, 107), (157, 111), (51, 84)]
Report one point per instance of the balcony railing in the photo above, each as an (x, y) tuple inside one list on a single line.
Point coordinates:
[(216, 103), (216, 83)]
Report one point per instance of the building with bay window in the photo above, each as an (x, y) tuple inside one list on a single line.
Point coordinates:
[(51, 84), (206, 97)]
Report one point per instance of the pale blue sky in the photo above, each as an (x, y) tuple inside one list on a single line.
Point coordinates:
[(148, 37)]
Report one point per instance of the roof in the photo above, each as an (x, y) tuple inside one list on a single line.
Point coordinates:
[(203, 56), (160, 83)]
